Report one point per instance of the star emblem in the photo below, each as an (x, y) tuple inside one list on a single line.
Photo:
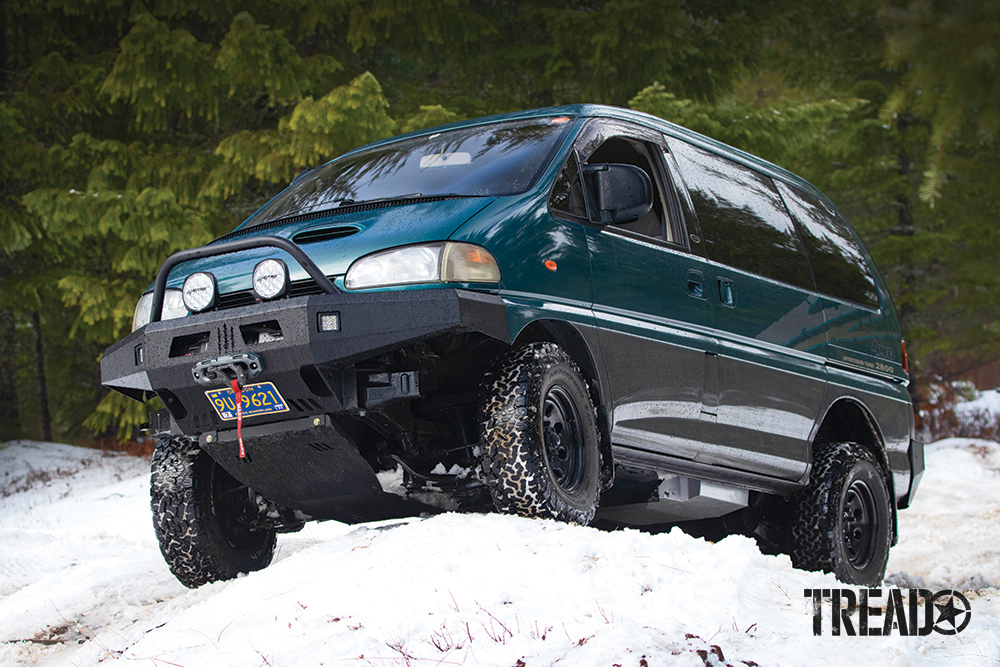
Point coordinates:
[(949, 612)]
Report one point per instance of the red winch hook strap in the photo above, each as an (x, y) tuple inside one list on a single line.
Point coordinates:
[(239, 416)]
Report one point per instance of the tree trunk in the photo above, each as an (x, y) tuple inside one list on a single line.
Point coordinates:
[(10, 413), (3, 49), (904, 212), (43, 393)]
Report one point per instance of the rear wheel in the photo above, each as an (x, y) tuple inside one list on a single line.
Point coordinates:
[(538, 433), (842, 521), (202, 517)]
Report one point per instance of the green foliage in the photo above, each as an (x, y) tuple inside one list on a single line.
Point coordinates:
[(345, 118), (17, 150), (411, 23), (313, 133), (430, 115), (256, 60), (161, 73), (119, 414), (780, 134), (606, 52), (948, 54)]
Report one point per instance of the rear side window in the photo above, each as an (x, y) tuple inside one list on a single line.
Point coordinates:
[(742, 218), (837, 261)]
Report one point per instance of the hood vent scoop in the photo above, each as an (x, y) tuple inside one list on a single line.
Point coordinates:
[(323, 234)]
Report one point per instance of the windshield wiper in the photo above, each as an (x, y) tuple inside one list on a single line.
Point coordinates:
[(347, 201), (350, 203)]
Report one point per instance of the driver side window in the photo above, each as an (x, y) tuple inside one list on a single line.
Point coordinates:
[(619, 150), (568, 197)]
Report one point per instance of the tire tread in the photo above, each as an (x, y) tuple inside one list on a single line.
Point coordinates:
[(189, 536), (511, 463)]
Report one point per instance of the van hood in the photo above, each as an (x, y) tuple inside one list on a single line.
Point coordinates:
[(335, 240)]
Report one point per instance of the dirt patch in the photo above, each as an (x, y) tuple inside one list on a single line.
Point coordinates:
[(141, 448), (36, 478)]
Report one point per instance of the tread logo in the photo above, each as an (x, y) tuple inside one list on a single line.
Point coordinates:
[(946, 612)]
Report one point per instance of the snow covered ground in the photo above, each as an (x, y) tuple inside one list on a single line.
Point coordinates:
[(82, 582)]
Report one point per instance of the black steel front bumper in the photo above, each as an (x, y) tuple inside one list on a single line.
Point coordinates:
[(299, 457), (312, 369)]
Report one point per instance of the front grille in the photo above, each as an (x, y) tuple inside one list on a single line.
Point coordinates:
[(304, 288), (243, 298), (235, 300)]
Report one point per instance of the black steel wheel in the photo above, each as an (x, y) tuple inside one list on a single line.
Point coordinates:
[(564, 450), (538, 436), (843, 520), (859, 524), (202, 517)]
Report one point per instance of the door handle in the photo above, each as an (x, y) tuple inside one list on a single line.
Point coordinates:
[(727, 292), (696, 284)]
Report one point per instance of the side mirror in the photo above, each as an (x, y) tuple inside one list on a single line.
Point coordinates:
[(620, 193)]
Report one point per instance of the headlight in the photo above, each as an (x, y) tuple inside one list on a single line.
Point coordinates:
[(431, 263), (199, 291), (270, 278), (173, 307)]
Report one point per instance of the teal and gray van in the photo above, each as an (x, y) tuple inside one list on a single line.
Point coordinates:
[(580, 313)]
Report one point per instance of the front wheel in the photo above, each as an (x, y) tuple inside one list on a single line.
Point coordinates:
[(538, 434), (201, 515), (842, 521)]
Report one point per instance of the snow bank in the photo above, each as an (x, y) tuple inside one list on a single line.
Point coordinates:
[(986, 403), (82, 583), (950, 536)]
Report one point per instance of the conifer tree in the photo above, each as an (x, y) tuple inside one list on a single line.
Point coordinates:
[(946, 55)]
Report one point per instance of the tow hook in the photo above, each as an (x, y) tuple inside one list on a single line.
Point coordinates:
[(223, 370)]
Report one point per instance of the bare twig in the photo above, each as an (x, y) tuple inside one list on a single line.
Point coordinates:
[(219, 639), (262, 657), (603, 615)]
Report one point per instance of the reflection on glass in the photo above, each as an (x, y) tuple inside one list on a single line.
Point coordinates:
[(483, 160), (837, 262), (742, 218), (567, 193)]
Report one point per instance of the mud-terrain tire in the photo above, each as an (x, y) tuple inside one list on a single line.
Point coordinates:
[(842, 521), (199, 513), (538, 436)]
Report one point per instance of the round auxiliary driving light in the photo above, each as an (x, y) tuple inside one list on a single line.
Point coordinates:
[(199, 292), (270, 279)]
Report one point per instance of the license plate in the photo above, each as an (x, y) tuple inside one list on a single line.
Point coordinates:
[(258, 399)]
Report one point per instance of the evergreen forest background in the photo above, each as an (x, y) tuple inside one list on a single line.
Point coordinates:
[(131, 130)]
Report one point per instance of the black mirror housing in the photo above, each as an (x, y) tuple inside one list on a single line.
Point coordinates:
[(620, 193)]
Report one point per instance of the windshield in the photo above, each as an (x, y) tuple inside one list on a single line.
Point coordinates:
[(479, 161)]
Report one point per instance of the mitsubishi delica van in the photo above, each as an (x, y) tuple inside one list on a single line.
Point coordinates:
[(578, 313)]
